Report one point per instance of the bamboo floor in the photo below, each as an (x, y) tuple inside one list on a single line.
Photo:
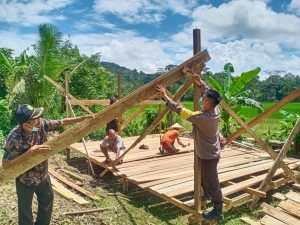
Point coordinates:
[(171, 177)]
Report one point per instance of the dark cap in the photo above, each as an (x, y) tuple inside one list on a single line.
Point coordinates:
[(26, 112)]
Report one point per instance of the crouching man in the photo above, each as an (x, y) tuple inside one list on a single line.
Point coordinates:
[(112, 142)]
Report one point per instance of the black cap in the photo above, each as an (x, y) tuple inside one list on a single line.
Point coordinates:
[(26, 112)]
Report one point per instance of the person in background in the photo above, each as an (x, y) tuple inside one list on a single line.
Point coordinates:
[(26, 140), (114, 124), (168, 139)]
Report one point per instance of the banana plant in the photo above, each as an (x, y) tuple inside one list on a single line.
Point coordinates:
[(233, 93)]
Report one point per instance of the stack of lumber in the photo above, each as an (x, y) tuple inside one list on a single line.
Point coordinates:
[(286, 212)]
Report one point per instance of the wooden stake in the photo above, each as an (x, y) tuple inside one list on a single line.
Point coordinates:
[(278, 160), (101, 118), (83, 142), (67, 107), (88, 211)]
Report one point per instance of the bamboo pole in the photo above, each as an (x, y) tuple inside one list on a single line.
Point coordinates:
[(295, 94), (67, 106), (100, 119), (278, 160)]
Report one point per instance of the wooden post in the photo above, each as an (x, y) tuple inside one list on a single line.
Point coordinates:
[(101, 118), (84, 145), (120, 118), (197, 161), (278, 160), (159, 112), (67, 107), (295, 94)]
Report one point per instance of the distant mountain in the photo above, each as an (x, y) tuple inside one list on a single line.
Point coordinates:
[(132, 79)]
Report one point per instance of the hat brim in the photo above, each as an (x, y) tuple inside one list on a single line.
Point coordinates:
[(37, 113)]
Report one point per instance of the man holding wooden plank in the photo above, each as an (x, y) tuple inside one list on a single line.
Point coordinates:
[(27, 139), (206, 135)]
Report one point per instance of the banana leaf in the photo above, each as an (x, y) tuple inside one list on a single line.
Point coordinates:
[(240, 83)]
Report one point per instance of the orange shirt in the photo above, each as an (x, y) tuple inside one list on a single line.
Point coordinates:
[(169, 137)]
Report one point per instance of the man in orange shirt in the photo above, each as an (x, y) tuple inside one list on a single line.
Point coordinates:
[(168, 139)]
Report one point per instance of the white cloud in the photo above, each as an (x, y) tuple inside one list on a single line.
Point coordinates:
[(295, 6), (16, 41), (246, 33), (249, 54), (33, 12), (143, 11), (124, 48)]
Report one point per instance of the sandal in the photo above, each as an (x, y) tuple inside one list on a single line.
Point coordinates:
[(161, 150), (143, 147)]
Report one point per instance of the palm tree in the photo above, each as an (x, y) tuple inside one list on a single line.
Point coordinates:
[(26, 73), (233, 93)]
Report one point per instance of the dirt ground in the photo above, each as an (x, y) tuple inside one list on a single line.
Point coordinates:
[(134, 207)]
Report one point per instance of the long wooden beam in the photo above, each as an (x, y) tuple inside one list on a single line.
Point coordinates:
[(278, 160), (101, 118), (295, 94), (105, 102), (62, 90)]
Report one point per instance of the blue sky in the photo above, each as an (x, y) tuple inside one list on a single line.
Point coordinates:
[(149, 34)]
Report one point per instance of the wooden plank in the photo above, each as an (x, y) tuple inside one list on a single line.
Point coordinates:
[(64, 192), (296, 187), (279, 196), (269, 220), (103, 102), (290, 209), (73, 185), (279, 215), (292, 96), (293, 196), (250, 221), (106, 102), (101, 118), (278, 160)]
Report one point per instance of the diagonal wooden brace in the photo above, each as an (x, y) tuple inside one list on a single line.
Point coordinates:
[(62, 90), (263, 144), (278, 160), (295, 94), (101, 118)]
